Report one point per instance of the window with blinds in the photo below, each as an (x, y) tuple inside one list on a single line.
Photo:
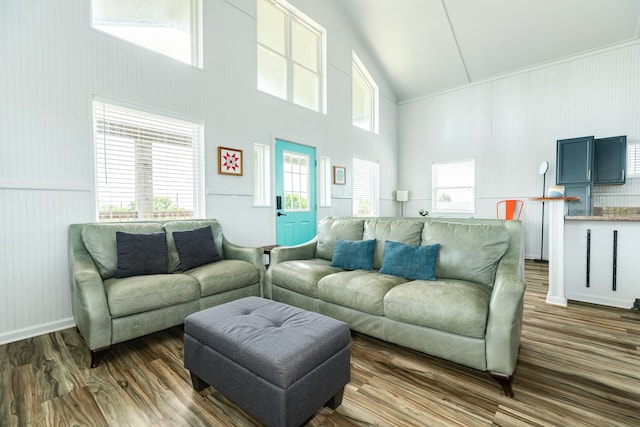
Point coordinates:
[(365, 188), (147, 166), (324, 182), (633, 159), (453, 187), (261, 175)]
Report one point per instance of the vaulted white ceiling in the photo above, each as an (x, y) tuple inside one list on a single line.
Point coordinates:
[(428, 46)]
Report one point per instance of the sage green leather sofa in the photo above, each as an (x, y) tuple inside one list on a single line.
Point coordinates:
[(470, 314), (110, 310)]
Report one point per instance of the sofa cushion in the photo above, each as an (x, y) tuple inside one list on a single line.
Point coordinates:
[(455, 306), (353, 254), (195, 247), (140, 254), (329, 229), (360, 290), (301, 276), (224, 276), (468, 251), (100, 241), (411, 262), (171, 226), (397, 230), (137, 294)]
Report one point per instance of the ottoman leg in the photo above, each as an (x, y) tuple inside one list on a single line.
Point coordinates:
[(198, 383), (336, 400)]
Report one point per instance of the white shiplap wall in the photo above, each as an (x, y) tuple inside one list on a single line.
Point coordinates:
[(511, 124), (52, 64)]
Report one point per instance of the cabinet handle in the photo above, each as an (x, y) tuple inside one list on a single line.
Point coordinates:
[(615, 259), (589, 175), (588, 257), (622, 175)]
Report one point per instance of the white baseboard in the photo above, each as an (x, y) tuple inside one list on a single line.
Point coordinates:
[(33, 331)]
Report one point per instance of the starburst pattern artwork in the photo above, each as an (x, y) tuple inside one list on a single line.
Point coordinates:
[(229, 161)]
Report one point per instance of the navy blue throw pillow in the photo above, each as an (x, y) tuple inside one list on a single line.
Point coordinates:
[(141, 254), (353, 254), (196, 247), (411, 262)]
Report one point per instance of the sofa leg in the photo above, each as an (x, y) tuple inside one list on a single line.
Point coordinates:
[(96, 355), (198, 383), (505, 381), (336, 400)]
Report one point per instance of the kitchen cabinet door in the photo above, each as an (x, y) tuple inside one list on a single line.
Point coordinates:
[(584, 205), (574, 160), (610, 160)]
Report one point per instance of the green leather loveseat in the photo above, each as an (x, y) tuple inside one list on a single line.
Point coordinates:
[(469, 313), (109, 308)]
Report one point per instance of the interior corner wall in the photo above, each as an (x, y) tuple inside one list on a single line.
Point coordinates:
[(509, 125), (52, 64)]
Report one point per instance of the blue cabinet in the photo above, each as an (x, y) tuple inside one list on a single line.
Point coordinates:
[(574, 160), (610, 160), (585, 161)]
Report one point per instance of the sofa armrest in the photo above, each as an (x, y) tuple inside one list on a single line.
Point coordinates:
[(305, 250), (280, 254), (89, 300), (504, 324), (245, 253)]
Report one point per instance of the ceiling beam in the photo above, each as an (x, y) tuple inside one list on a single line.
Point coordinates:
[(455, 39)]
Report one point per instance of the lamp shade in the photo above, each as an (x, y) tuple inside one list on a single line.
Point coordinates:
[(402, 196)]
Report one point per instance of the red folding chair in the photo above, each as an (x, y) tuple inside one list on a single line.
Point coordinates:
[(512, 209)]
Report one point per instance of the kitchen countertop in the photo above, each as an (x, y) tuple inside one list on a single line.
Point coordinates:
[(606, 217), (609, 214)]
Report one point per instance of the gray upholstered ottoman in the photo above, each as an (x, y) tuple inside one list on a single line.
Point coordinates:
[(279, 363)]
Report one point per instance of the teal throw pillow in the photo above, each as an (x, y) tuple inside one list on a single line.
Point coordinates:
[(353, 254), (411, 262)]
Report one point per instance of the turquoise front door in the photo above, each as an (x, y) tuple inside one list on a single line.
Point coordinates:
[(295, 193)]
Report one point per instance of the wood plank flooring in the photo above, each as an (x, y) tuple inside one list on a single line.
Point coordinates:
[(578, 366)]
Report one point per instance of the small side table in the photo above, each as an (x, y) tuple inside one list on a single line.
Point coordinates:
[(267, 251)]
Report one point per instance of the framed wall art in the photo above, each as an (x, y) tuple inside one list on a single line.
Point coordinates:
[(339, 175), (229, 161)]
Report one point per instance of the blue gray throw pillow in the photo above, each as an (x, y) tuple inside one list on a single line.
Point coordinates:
[(140, 254), (353, 254), (196, 247), (411, 262)]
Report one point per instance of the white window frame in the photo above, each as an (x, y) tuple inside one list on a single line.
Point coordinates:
[(324, 182), (360, 73), (365, 185), (261, 175), (463, 183), (143, 158), (165, 42), (295, 15)]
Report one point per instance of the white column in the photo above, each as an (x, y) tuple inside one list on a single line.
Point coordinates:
[(556, 293)]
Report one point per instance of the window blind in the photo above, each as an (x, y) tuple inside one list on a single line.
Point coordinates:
[(365, 188), (633, 159), (147, 166)]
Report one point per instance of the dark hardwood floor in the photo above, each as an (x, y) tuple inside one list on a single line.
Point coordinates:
[(578, 366)]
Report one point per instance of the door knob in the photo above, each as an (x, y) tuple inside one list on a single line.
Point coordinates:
[(281, 214)]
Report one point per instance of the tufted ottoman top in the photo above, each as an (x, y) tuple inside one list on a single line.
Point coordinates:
[(278, 342)]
